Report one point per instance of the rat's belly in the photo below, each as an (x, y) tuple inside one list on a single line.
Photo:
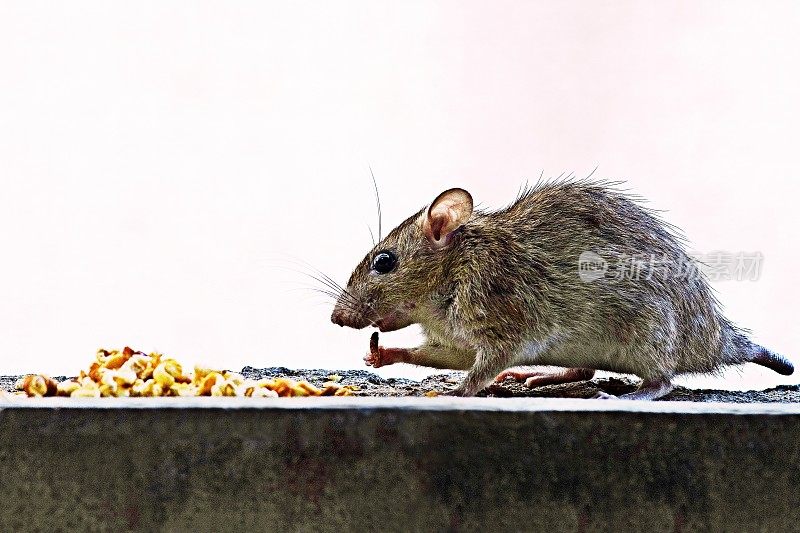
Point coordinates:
[(599, 356)]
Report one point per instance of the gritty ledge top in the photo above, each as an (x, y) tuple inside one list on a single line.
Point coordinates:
[(366, 404)]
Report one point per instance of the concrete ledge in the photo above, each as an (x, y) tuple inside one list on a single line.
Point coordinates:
[(391, 464), (441, 403)]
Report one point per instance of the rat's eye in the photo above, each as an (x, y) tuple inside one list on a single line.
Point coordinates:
[(384, 262)]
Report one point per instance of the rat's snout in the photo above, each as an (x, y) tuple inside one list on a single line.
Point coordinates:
[(345, 315), (338, 317)]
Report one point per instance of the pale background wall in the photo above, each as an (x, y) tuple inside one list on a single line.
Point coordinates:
[(156, 157)]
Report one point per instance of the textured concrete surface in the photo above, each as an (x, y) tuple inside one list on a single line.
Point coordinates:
[(397, 464), (371, 384)]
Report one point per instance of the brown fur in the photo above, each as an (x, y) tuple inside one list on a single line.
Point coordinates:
[(504, 290)]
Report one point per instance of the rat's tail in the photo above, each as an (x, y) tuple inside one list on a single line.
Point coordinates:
[(773, 361), (753, 353)]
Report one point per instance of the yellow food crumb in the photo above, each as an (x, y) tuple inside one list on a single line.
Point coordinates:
[(123, 373), (65, 388), (37, 385)]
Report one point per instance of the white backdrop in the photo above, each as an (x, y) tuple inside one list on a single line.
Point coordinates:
[(157, 157)]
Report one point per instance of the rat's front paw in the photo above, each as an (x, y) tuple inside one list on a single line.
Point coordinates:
[(373, 358), (379, 356)]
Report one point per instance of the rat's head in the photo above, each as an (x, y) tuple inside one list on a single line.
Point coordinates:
[(404, 269)]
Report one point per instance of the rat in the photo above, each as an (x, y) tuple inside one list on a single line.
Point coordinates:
[(573, 276)]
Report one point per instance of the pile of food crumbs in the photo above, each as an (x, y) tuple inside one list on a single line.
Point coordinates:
[(126, 372)]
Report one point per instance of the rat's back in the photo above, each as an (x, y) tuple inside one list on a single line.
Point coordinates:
[(618, 281)]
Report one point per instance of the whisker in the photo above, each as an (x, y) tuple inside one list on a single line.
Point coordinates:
[(378, 201), (329, 294), (349, 306), (353, 304), (331, 281), (332, 288), (343, 297), (319, 277), (334, 285)]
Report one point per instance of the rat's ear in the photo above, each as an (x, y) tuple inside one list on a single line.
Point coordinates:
[(448, 212)]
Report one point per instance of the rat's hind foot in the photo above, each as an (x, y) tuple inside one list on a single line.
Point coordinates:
[(649, 389), (516, 375), (537, 378)]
